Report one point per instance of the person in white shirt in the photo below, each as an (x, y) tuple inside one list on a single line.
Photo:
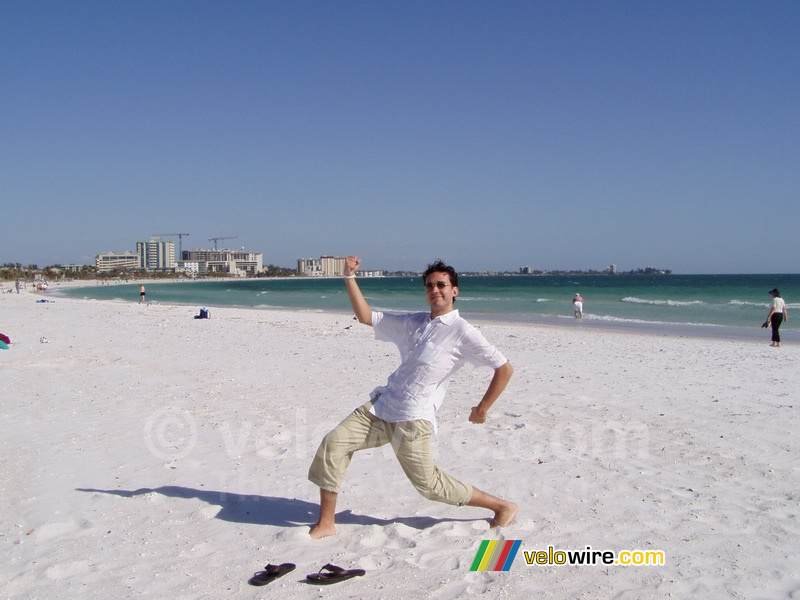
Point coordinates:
[(777, 315), (433, 345), (577, 306)]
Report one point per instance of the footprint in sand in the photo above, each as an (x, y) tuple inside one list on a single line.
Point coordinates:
[(299, 535), (209, 512), (465, 530), (445, 560), (52, 530), (375, 537), (65, 570), (392, 537)]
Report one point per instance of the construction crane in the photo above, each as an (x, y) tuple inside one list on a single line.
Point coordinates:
[(180, 241), (216, 239)]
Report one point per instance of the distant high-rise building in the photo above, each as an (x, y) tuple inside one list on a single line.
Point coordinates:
[(612, 269), (330, 266), (309, 267), (156, 254), (324, 266)]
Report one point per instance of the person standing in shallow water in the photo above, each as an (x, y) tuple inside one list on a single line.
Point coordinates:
[(433, 345), (777, 315), (577, 306), (141, 294)]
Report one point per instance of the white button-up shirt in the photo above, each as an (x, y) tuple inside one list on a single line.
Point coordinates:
[(430, 352)]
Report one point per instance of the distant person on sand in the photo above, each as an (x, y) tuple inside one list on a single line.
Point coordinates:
[(577, 306), (777, 315), (433, 345), (141, 294)]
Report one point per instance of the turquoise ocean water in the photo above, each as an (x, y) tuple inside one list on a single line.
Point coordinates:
[(714, 305)]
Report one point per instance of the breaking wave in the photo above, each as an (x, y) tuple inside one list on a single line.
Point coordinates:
[(634, 300)]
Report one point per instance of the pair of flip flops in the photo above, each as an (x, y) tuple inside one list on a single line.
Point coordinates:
[(327, 575)]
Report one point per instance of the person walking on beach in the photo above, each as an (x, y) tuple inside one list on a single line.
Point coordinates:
[(433, 345), (777, 315), (141, 294), (577, 306)]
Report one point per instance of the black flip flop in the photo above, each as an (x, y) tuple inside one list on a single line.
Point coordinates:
[(334, 575), (271, 573)]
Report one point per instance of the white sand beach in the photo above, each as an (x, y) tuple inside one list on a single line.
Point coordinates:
[(146, 454)]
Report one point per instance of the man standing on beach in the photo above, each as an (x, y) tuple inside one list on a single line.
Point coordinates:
[(433, 345)]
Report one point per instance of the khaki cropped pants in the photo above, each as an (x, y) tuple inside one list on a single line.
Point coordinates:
[(410, 441)]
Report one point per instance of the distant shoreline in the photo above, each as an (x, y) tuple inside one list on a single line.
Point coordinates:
[(645, 328)]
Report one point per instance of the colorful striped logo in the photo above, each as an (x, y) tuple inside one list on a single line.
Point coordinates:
[(494, 555)]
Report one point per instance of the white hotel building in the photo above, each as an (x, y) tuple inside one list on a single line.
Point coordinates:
[(233, 262), (109, 261), (328, 266), (324, 266), (156, 255)]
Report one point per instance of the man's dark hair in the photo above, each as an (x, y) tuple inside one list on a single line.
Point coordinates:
[(440, 267)]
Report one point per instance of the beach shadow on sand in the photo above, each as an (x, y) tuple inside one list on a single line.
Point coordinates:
[(269, 510)]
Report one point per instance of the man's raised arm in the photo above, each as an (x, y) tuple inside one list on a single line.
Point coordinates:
[(361, 309)]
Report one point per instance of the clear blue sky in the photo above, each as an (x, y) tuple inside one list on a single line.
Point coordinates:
[(555, 134)]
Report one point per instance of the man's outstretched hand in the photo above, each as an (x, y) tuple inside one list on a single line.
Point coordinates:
[(477, 415)]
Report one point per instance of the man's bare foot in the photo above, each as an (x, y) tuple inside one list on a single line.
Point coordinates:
[(319, 531), (504, 516)]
